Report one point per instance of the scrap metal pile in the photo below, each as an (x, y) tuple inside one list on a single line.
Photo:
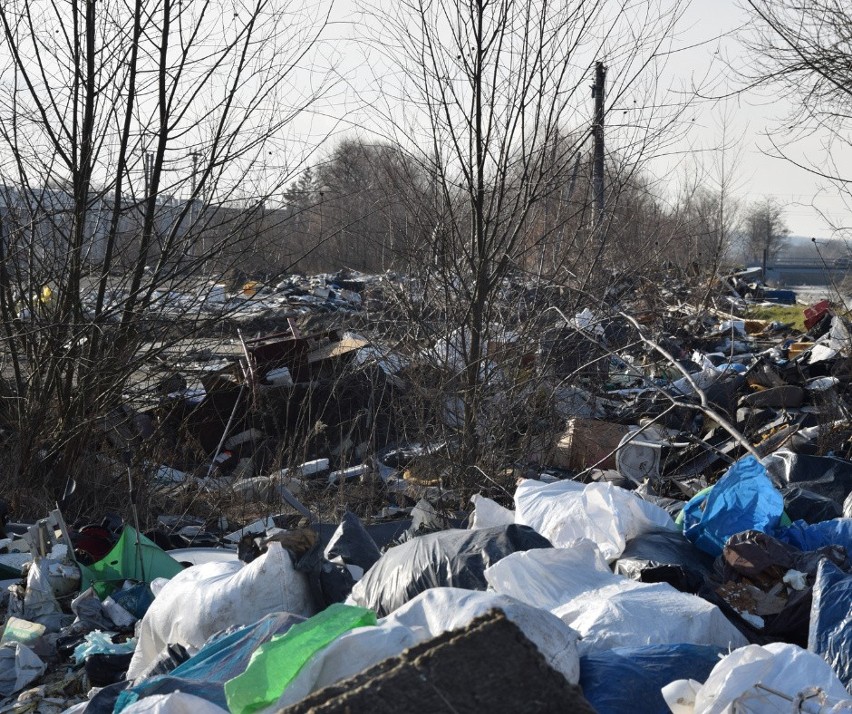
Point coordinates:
[(676, 536)]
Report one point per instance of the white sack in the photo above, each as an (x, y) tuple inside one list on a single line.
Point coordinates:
[(39, 602), (206, 599), (488, 513), (555, 577), (429, 614), (778, 666), (566, 511), (19, 666), (608, 610)]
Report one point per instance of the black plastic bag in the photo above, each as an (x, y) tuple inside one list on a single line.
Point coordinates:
[(800, 504), (664, 556), (103, 701), (453, 558), (825, 475), (106, 669), (329, 582), (170, 658), (353, 543)]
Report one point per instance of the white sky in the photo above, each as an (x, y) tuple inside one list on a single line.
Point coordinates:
[(807, 200), (707, 28)]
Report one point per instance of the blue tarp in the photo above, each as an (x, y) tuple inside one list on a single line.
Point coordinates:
[(222, 658), (629, 679), (830, 634), (812, 536), (743, 499)]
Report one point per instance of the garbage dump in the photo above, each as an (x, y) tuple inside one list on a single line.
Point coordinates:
[(670, 533)]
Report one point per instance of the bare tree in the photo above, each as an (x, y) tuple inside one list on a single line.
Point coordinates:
[(764, 231), (124, 129), (802, 51), (493, 101), (374, 198), (710, 209)]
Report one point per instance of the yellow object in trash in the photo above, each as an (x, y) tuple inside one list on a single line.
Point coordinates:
[(798, 347)]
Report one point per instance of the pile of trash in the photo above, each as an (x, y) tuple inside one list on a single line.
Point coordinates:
[(681, 543), (730, 606)]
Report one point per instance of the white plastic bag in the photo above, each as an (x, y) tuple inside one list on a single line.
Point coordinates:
[(428, 615), (98, 642), (552, 577), (537, 504), (487, 513), (783, 668), (567, 511), (209, 598), (680, 695), (608, 610), (39, 600)]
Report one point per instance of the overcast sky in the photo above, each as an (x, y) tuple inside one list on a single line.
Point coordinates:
[(709, 29), (753, 116)]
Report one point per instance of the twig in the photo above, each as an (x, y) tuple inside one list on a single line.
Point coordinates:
[(705, 405)]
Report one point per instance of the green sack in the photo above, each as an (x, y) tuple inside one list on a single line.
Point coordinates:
[(127, 562), (275, 664)]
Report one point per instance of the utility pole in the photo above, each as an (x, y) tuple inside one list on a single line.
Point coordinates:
[(767, 240), (147, 166), (193, 181), (599, 94), (195, 156)]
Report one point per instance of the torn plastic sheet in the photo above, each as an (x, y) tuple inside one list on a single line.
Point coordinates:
[(276, 662), (98, 642), (129, 561)]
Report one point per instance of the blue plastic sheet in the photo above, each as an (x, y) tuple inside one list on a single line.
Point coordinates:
[(743, 499), (831, 620), (812, 536), (629, 679), (136, 599), (222, 658)]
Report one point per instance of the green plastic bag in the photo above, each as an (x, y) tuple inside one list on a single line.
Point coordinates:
[(275, 664), (127, 562)]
